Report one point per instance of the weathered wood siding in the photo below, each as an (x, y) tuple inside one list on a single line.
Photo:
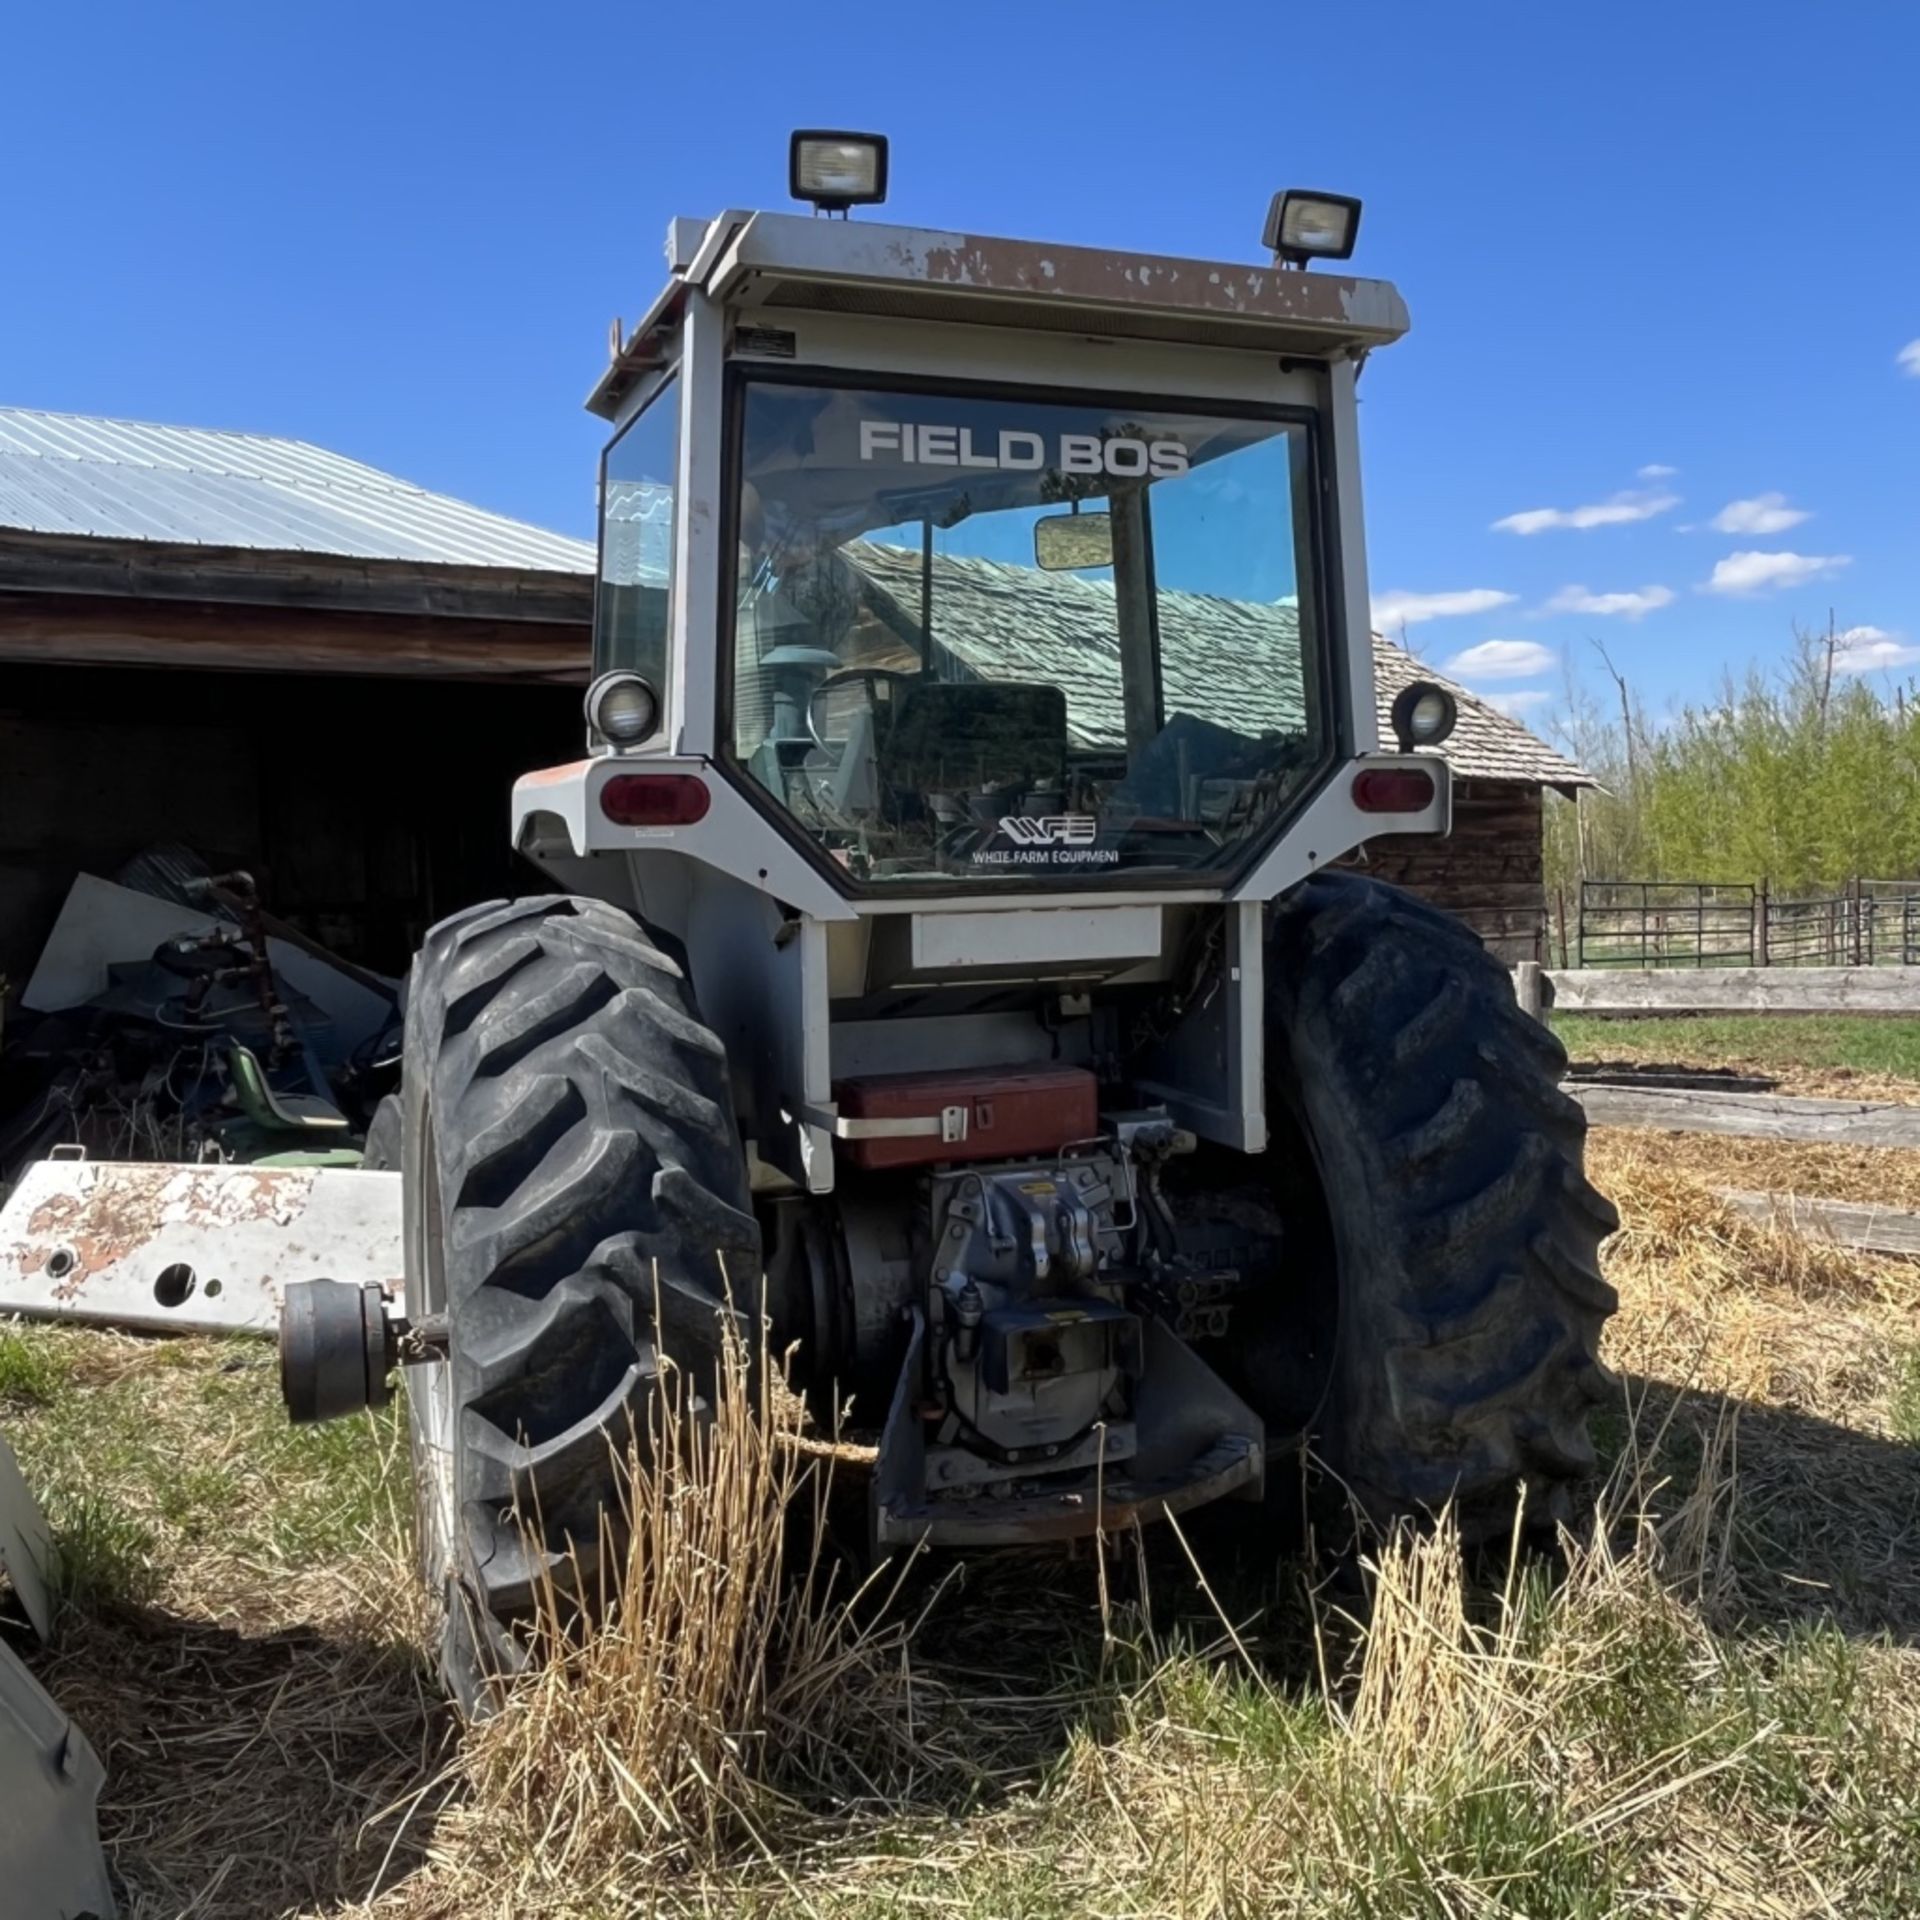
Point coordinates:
[(82, 629), (1845, 1223), (366, 809), (1488, 870)]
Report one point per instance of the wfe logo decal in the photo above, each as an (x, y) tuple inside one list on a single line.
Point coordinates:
[(1047, 840), (1051, 829)]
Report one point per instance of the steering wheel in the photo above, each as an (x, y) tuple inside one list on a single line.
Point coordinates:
[(846, 677)]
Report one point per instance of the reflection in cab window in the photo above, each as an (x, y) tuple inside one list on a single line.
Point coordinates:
[(636, 543), (977, 639)]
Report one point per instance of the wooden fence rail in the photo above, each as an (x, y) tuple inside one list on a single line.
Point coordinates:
[(1760, 1116), (1622, 991), (1844, 1222)]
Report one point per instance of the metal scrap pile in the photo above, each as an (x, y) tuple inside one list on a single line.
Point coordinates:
[(171, 1017)]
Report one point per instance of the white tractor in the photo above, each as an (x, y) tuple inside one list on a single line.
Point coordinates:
[(955, 964)]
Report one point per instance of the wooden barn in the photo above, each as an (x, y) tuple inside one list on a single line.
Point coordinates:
[(293, 663), (278, 658), (1489, 869)]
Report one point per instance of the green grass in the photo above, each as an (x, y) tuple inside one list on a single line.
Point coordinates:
[(147, 1455), (32, 1370), (104, 1555), (1904, 1415), (1218, 1792), (1864, 1045)]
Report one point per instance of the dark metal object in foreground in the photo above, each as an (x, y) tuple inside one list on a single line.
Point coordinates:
[(51, 1863), (339, 1345), (337, 1349)]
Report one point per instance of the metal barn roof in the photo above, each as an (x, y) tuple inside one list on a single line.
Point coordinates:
[(64, 473)]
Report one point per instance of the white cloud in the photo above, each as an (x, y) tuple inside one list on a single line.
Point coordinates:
[(1630, 606), (1764, 513), (1392, 611), (1741, 573), (1908, 358), (1657, 472), (1502, 660), (1619, 511), (1868, 649), (1516, 700)]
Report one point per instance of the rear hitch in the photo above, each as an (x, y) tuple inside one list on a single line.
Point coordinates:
[(339, 1345)]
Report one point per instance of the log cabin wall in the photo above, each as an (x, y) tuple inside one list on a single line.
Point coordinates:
[(1488, 871)]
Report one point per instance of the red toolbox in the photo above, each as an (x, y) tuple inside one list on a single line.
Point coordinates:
[(976, 1113)]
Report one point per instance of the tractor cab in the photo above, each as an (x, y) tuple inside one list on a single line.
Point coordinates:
[(973, 567)]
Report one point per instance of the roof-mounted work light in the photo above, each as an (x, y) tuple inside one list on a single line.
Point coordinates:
[(1303, 226), (838, 170)]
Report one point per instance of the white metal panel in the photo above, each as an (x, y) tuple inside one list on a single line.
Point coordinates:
[(26, 1545), (734, 839), (957, 351), (1035, 937), (1119, 291), (1333, 825), (1211, 1070), (1343, 424), (189, 1249), (51, 1861), (763, 989), (697, 519)]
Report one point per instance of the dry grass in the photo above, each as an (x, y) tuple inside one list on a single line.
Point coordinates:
[(1753, 1311), (716, 1676), (1711, 1706), (1885, 1176)]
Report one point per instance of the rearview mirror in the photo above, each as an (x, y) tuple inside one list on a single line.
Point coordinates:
[(1067, 541)]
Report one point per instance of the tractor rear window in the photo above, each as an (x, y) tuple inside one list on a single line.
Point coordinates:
[(981, 638)]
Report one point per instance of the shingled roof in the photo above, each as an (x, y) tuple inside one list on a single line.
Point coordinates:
[(1232, 661)]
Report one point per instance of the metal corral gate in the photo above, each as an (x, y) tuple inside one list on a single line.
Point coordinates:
[(1665, 923), (1695, 923)]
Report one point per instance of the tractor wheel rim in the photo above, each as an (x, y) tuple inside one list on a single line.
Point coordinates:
[(430, 1413)]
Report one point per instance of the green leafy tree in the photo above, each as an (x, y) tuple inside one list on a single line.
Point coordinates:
[(1806, 775)]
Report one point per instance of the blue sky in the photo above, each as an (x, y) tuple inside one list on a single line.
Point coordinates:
[(1633, 238)]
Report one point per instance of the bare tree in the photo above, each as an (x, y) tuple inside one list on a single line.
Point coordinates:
[(1627, 729)]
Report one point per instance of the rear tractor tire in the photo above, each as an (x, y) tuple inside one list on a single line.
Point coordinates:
[(569, 1157), (1464, 1230)]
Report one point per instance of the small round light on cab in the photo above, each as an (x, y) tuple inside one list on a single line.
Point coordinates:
[(1423, 715), (622, 708)]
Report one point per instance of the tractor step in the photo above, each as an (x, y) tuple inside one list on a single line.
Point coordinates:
[(1235, 1463)]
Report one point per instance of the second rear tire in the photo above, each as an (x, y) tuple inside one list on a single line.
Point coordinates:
[(1464, 1232)]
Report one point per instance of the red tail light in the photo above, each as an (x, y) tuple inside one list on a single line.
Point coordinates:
[(1393, 790), (655, 799)]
